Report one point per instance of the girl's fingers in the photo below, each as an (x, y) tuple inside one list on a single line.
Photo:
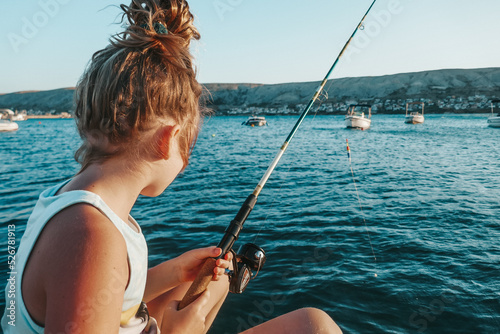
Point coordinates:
[(222, 263), (219, 271), (203, 253), (216, 251), (213, 251)]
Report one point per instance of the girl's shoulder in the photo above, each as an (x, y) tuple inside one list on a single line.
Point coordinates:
[(78, 256), (80, 237), (83, 228)]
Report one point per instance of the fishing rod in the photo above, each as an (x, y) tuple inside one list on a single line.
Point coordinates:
[(252, 252)]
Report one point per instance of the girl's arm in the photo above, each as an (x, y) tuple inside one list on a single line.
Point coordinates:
[(86, 272), (184, 268)]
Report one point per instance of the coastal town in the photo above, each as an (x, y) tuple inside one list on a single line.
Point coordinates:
[(451, 104)]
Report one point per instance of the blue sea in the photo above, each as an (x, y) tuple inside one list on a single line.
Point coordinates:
[(408, 242)]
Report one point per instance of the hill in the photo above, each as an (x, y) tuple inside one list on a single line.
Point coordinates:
[(456, 90), (38, 102)]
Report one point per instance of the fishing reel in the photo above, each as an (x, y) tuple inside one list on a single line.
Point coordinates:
[(249, 258)]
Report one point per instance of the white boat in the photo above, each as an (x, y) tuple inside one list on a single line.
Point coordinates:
[(494, 121), (6, 125), (414, 117), (255, 121), (357, 119)]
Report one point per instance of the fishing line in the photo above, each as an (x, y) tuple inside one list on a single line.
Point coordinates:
[(359, 200)]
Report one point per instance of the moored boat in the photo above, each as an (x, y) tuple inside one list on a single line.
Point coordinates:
[(357, 119), (255, 121), (494, 121), (6, 125), (414, 117)]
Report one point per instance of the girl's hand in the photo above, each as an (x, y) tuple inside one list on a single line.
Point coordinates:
[(190, 263), (189, 320), (182, 269)]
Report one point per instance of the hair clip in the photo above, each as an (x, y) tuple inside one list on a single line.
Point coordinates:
[(158, 27)]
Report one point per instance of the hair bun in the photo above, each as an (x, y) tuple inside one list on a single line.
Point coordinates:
[(160, 17)]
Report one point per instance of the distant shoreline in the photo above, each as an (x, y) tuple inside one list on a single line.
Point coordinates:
[(48, 117), (485, 112)]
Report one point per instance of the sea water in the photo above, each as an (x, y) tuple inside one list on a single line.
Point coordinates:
[(406, 242)]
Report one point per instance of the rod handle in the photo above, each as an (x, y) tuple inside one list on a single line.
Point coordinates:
[(200, 283)]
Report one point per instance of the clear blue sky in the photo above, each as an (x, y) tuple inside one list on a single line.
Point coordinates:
[(45, 44)]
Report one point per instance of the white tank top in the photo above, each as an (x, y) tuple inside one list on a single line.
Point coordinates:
[(49, 205)]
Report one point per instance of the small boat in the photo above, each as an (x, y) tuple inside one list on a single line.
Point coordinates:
[(6, 125), (357, 119), (414, 117), (255, 121), (494, 121)]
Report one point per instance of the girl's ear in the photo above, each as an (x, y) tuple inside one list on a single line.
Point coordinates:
[(167, 138)]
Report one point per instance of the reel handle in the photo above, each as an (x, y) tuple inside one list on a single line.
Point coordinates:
[(200, 283)]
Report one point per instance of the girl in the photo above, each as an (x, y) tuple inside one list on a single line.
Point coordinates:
[(82, 263)]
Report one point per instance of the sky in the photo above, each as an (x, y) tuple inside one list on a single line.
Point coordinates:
[(46, 44)]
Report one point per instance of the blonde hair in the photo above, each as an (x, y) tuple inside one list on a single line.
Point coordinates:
[(142, 76)]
